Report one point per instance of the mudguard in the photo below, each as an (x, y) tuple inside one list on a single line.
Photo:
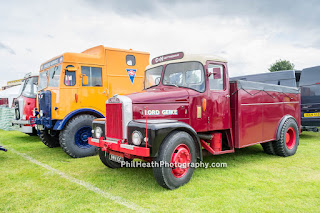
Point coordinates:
[(158, 130), (61, 123), (283, 120)]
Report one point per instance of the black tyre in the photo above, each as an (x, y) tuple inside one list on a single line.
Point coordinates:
[(268, 148), (289, 139), (178, 147), (74, 137), (104, 157), (50, 141)]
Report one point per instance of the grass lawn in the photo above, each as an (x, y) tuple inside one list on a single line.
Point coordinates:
[(252, 182)]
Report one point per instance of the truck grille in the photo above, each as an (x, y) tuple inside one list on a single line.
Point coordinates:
[(44, 100), (114, 120)]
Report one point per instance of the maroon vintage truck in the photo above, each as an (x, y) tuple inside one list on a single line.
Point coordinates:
[(188, 105)]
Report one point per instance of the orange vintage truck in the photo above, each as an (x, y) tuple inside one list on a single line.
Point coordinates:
[(72, 91)]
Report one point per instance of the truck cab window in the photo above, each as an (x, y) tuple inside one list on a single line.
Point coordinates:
[(30, 88), (131, 60), (94, 76), (70, 78), (54, 77), (152, 77), (216, 80), (185, 74)]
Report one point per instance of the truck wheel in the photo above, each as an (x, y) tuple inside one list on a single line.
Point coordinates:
[(289, 139), (48, 140), (177, 148), (268, 148), (104, 157), (74, 137)]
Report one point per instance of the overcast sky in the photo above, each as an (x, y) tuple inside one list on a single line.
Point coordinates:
[(251, 35)]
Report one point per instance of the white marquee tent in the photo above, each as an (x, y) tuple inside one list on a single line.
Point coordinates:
[(10, 93)]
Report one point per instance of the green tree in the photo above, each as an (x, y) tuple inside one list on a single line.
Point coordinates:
[(281, 65)]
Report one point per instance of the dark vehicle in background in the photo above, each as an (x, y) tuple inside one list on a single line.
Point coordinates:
[(309, 82), (310, 97)]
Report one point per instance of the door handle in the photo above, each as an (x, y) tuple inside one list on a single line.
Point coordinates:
[(227, 96), (106, 91)]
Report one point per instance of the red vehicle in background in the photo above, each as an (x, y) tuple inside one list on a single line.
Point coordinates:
[(25, 103), (188, 106)]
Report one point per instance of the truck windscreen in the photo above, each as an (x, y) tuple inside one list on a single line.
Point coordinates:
[(30, 87), (54, 77), (185, 74), (310, 76), (43, 80), (152, 77)]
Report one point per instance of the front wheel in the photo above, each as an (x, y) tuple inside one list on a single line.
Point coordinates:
[(49, 140), (173, 164), (288, 143), (74, 137)]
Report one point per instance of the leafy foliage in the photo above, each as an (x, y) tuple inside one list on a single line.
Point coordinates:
[(281, 65)]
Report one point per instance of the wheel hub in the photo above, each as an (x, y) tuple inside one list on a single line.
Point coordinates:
[(180, 159), (81, 137), (290, 138)]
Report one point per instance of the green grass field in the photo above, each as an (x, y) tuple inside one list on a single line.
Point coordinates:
[(252, 182)]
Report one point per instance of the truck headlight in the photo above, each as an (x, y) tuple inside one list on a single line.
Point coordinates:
[(98, 132), (34, 112), (41, 113), (136, 138)]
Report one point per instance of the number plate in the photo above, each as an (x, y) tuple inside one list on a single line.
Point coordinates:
[(115, 158), (317, 114)]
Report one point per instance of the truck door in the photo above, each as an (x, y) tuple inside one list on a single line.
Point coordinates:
[(92, 95), (219, 115)]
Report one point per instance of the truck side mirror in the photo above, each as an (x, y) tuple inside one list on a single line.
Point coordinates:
[(216, 72), (85, 80)]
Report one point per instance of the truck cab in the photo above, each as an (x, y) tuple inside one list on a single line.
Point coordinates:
[(189, 106), (72, 91), (25, 103)]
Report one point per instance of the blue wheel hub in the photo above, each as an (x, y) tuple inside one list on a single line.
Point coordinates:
[(81, 137)]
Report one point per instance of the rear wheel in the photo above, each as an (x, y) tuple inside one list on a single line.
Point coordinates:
[(50, 141), (268, 148), (176, 153), (289, 139), (74, 137)]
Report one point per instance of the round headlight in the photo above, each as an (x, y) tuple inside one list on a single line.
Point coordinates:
[(41, 113), (136, 138), (98, 132), (34, 113)]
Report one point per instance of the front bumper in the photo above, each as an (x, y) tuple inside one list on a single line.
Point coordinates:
[(307, 121), (21, 122), (25, 126), (42, 121), (118, 146)]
